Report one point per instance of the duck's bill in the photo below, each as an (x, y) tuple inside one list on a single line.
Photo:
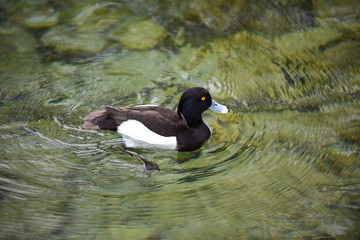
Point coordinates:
[(217, 107)]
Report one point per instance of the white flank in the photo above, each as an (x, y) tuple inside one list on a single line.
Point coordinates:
[(137, 135)]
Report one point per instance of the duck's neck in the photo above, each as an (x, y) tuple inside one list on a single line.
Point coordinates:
[(192, 118)]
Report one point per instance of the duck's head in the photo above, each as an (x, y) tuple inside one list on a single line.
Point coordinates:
[(194, 102)]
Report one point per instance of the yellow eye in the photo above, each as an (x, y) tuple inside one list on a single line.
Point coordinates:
[(203, 99)]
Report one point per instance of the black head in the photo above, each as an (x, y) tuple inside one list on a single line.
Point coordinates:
[(193, 103)]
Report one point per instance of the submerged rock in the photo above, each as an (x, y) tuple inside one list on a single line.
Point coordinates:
[(239, 66), (139, 35), (346, 54), (309, 59), (218, 15), (110, 77), (16, 41), (278, 17), (224, 17), (295, 71), (67, 40), (336, 10), (21, 70), (85, 27), (41, 20), (310, 39), (99, 17)]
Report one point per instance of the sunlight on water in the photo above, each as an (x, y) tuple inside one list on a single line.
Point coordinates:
[(284, 163)]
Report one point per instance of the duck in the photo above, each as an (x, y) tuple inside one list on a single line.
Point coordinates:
[(159, 127)]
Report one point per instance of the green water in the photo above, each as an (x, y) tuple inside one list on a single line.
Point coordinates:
[(283, 164)]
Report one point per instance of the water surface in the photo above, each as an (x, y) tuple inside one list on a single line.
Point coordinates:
[(284, 163)]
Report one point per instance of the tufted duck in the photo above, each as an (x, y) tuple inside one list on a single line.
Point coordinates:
[(155, 126)]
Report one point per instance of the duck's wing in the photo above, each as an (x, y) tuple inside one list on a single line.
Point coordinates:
[(160, 120)]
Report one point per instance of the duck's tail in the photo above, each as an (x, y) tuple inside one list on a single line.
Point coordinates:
[(100, 119)]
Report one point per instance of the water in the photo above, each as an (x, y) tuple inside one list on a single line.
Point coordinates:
[(284, 163)]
